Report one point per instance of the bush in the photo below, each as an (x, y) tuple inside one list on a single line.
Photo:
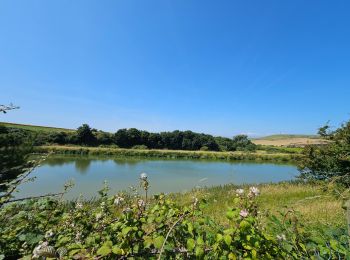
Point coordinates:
[(132, 226), (140, 147)]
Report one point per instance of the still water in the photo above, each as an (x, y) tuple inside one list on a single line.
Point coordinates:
[(166, 176)]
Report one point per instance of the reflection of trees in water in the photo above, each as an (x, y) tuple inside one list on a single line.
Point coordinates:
[(126, 162), (82, 165), (59, 161)]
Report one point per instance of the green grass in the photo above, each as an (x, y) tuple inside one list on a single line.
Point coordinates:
[(174, 154), (36, 128), (316, 206)]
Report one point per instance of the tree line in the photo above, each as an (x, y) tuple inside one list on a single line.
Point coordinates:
[(140, 139)]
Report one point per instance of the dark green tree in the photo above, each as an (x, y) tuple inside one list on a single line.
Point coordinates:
[(85, 135), (330, 161)]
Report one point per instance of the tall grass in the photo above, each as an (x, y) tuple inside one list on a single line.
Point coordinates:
[(317, 206), (173, 154)]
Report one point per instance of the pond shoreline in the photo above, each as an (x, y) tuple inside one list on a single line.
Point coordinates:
[(172, 154)]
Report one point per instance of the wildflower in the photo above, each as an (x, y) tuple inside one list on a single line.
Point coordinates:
[(243, 213), (195, 201), (118, 200), (103, 204), (79, 205), (239, 192), (127, 210), (36, 251), (253, 191), (141, 203), (143, 176), (98, 216), (78, 236), (48, 233), (281, 238)]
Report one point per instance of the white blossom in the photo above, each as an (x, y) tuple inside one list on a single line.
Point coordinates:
[(281, 237), (141, 203), (143, 176), (243, 213), (37, 249), (239, 192), (127, 210), (118, 200), (253, 191), (98, 216), (79, 205), (48, 233)]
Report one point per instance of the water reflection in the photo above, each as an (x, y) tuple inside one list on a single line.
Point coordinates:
[(167, 175)]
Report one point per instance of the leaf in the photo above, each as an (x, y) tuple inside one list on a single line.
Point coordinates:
[(158, 242), (126, 230), (190, 244), (118, 251), (104, 250), (199, 251), (218, 237), (230, 214), (228, 239)]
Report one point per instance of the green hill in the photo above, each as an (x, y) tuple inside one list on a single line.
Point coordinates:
[(36, 127)]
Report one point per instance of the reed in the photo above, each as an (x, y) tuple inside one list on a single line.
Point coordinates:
[(171, 154)]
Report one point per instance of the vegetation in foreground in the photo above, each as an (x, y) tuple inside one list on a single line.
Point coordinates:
[(128, 225), (190, 226)]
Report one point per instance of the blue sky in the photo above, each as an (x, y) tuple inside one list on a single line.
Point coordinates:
[(219, 67)]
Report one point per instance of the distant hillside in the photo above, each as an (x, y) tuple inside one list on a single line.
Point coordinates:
[(36, 127), (286, 136), (289, 140)]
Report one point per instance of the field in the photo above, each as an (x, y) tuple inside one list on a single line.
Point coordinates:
[(289, 140), (36, 127)]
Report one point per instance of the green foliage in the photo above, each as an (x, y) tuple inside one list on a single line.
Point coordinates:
[(15, 149), (130, 226), (128, 138), (329, 161)]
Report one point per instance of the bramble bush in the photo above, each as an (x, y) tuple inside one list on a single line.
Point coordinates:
[(129, 225)]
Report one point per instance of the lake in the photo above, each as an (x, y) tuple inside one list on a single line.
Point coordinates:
[(166, 176)]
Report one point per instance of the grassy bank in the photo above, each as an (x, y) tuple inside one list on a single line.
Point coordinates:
[(317, 206), (256, 156)]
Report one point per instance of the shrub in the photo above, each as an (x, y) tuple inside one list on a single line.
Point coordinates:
[(128, 225)]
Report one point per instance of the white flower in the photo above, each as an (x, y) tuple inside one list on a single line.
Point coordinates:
[(239, 192), (98, 216), (195, 201), (48, 233), (281, 238), (79, 205), (143, 176), (78, 236), (118, 200), (141, 203), (243, 213), (37, 249), (103, 204), (254, 191), (127, 210)]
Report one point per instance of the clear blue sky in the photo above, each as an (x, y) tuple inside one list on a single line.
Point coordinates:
[(220, 67)]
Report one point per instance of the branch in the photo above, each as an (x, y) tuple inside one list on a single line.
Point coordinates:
[(5, 108), (167, 235), (36, 197)]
